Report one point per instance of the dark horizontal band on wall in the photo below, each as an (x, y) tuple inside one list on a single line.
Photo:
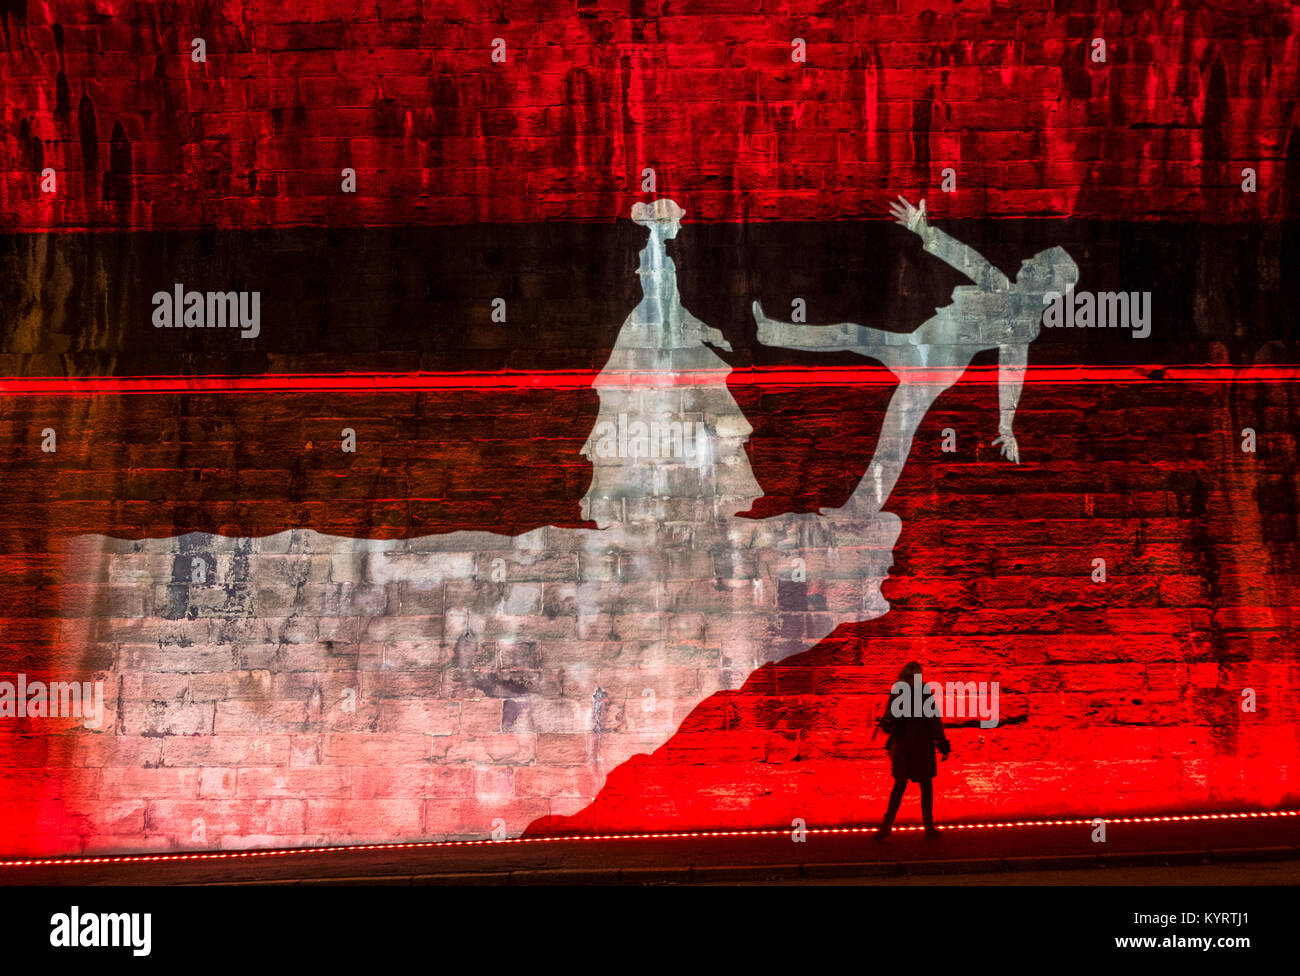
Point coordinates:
[(422, 299)]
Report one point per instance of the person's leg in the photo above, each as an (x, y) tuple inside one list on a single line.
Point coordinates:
[(840, 337), (910, 401), (895, 800), (927, 807), (907, 408)]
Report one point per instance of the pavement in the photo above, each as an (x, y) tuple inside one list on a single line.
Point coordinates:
[(1215, 849)]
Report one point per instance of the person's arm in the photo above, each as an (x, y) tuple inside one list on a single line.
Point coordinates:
[(960, 256), (1012, 361), (693, 330), (964, 258), (940, 739), (886, 721)]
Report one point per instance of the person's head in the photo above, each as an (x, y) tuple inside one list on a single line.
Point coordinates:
[(1041, 279), (1048, 271), (910, 669)]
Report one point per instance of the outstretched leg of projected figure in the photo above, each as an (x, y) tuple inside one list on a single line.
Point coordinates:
[(907, 408), (840, 337)]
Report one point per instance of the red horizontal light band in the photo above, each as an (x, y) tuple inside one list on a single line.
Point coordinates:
[(508, 380), (678, 835)]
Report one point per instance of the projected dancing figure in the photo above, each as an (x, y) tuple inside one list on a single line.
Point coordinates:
[(993, 313)]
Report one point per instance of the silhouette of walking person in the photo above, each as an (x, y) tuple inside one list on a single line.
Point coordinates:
[(915, 731), (993, 313)]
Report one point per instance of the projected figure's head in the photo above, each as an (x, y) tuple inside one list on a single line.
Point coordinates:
[(663, 217), (1047, 271), (1045, 275)]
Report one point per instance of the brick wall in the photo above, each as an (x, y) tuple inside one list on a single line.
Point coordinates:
[(407, 94), (327, 572), (1121, 697)]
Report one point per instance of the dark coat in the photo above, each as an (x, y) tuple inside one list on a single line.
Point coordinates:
[(912, 742)]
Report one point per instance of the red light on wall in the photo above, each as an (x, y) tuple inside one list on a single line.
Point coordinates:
[(521, 380)]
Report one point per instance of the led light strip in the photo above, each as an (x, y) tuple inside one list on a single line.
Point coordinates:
[(582, 838)]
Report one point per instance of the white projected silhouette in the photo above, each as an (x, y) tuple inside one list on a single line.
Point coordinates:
[(594, 643), (350, 674), (994, 313)]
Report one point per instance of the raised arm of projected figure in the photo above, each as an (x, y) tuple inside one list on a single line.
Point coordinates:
[(993, 313)]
